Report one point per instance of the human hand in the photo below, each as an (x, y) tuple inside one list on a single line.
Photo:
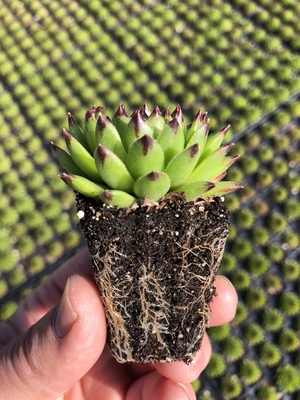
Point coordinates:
[(48, 351)]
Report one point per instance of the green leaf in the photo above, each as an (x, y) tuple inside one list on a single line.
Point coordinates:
[(213, 143), (214, 176), (194, 185), (152, 186), (222, 188), (117, 198), (199, 120), (156, 121), (90, 127), (112, 170), (144, 156), (67, 161), (145, 112), (171, 140), (197, 189), (199, 136), (167, 115), (121, 119), (83, 185), (82, 157), (219, 177), (177, 113), (136, 129), (108, 136), (181, 166), (209, 165), (76, 131)]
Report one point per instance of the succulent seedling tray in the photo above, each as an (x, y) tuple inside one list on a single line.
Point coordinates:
[(240, 61)]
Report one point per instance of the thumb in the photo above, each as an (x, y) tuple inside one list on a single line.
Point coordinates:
[(59, 349)]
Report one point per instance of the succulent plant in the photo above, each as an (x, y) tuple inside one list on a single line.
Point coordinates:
[(290, 303), (267, 393), (250, 371), (256, 298), (233, 348), (231, 387), (216, 366), (273, 283), (291, 270), (149, 198), (289, 340), (242, 313), (288, 378), (254, 333), (272, 319), (240, 279), (219, 333), (270, 354), (144, 156)]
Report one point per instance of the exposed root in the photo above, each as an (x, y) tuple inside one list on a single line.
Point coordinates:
[(156, 277)]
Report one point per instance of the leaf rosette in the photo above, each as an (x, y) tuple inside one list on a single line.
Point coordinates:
[(144, 156)]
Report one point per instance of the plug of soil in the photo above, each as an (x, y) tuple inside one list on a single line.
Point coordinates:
[(155, 266)]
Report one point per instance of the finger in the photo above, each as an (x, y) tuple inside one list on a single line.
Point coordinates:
[(47, 295), (153, 386), (181, 372), (62, 347), (223, 306), (137, 369)]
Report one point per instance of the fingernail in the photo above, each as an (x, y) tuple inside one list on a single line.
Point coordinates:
[(65, 316)]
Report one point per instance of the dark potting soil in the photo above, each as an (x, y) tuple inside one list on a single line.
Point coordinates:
[(155, 267)]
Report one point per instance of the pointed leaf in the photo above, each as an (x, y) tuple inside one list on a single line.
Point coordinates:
[(121, 119), (156, 121), (90, 127), (117, 198), (144, 156), (199, 120), (225, 164), (145, 112), (167, 115), (214, 142), (222, 188), (209, 165), (152, 186), (205, 185), (82, 157), (83, 185), (171, 140), (181, 166), (219, 177), (136, 129), (112, 170), (108, 136), (76, 131), (199, 136), (177, 113), (201, 189), (67, 161)]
